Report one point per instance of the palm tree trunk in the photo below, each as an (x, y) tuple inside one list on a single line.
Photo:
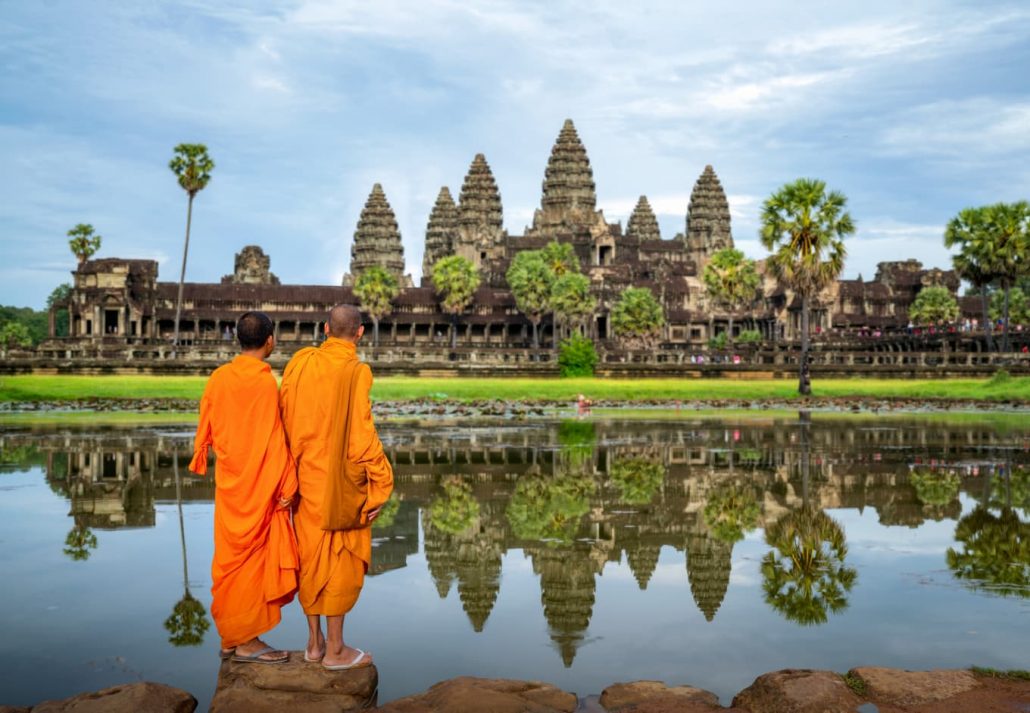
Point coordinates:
[(536, 333), (729, 331), (182, 529), (454, 330), (804, 382), (1005, 345), (182, 277), (375, 331), (988, 327), (806, 458)]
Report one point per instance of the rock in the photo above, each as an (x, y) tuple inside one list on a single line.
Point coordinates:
[(294, 685), (129, 698), (656, 696), (798, 691), (486, 695), (912, 688), (15, 709)]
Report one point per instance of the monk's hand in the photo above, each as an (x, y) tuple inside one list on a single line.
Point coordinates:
[(285, 503), (373, 514)]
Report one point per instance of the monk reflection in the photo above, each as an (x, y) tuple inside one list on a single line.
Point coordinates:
[(326, 409), (254, 572)]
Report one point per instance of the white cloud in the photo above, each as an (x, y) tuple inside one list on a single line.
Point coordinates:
[(967, 129)]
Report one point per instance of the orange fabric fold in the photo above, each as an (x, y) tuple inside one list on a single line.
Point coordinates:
[(332, 563), (254, 571)]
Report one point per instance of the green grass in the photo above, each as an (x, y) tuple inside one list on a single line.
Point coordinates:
[(403, 388), (1014, 674), (855, 683)]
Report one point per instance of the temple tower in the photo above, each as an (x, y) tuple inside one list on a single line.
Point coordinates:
[(569, 197), (708, 217), (708, 569), (643, 225), (251, 268), (441, 231), (377, 240), (480, 235)]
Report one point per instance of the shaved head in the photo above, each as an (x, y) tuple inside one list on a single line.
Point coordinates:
[(344, 322)]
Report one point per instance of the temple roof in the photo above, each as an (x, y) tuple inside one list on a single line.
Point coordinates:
[(568, 188), (480, 202), (643, 225), (377, 240), (441, 231), (708, 216)]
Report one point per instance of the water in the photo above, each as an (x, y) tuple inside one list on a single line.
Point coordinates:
[(576, 552)]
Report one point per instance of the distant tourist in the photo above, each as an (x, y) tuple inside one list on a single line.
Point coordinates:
[(345, 479), (227, 335), (583, 405), (254, 572)]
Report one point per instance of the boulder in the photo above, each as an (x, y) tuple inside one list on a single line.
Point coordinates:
[(15, 709), (798, 691), (128, 698), (656, 696), (294, 685), (912, 688), (486, 695)]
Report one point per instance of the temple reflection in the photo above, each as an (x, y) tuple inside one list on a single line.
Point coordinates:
[(575, 496)]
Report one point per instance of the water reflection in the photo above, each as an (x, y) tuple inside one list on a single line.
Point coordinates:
[(576, 496)]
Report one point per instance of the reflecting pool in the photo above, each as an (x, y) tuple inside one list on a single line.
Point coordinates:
[(580, 552)]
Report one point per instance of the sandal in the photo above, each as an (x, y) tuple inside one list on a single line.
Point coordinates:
[(256, 656)]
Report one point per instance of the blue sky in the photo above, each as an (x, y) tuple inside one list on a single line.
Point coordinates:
[(914, 110)]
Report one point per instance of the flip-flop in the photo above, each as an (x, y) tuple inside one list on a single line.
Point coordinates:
[(226, 654), (256, 656), (353, 664)]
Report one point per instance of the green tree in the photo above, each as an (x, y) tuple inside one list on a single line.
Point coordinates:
[(59, 298), (83, 242), (1011, 230), (804, 227), (995, 552), (1019, 306), (376, 289), (456, 510), (15, 335), (530, 280), (637, 317), (192, 166), (79, 542), (935, 489), (576, 356), (188, 622), (731, 512), (970, 231), (934, 305), (731, 281), (549, 507), (637, 479), (805, 575), (388, 514), (571, 300), (560, 258), (455, 280)]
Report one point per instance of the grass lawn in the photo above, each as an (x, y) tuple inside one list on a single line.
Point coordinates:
[(402, 388)]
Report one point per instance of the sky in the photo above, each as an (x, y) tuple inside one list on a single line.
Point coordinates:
[(913, 110)]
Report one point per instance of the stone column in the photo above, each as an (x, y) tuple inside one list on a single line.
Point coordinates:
[(51, 322)]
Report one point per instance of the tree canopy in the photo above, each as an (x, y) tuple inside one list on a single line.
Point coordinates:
[(637, 317), (934, 305), (376, 289), (571, 300), (530, 280), (731, 280), (84, 242), (193, 167)]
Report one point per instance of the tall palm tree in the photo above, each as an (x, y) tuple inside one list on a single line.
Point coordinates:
[(530, 279), (1010, 223), (804, 227), (571, 301), (376, 288), (731, 280), (193, 167), (971, 233), (84, 242), (455, 280), (188, 622)]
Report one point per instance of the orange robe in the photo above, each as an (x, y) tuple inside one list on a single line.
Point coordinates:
[(254, 572), (332, 563)]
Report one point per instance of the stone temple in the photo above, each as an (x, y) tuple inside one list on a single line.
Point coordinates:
[(120, 303)]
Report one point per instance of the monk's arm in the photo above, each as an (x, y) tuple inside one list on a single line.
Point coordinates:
[(202, 439), (366, 448)]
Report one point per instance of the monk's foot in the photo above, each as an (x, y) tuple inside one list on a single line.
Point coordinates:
[(257, 651), (347, 657), (315, 650)]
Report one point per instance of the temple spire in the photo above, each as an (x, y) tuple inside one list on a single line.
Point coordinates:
[(441, 231), (708, 217), (643, 225), (377, 240), (569, 196), (480, 218)]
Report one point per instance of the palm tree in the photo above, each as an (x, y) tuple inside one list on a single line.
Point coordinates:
[(455, 280), (188, 622), (560, 258), (638, 317), (83, 242), (732, 281), (804, 227), (1010, 223), (971, 233), (193, 167), (376, 288), (571, 301), (79, 542), (995, 551), (530, 280)]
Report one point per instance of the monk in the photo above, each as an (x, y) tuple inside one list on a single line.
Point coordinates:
[(315, 388), (254, 572)]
